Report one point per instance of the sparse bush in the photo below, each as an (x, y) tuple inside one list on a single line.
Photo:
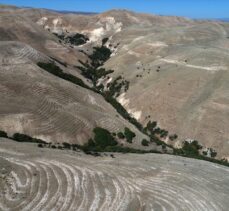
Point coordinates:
[(3, 134), (145, 142), (163, 146), (164, 133), (205, 153), (120, 135), (192, 148), (40, 145), (151, 126), (213, 153), (76, 39), (129, 135), (55, 70), (25, 138), (173, 137), (104, 40), (66, 145)]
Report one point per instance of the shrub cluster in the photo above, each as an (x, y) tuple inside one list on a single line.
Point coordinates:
[(3, 134), (189, 149), (57, 71), (129, 135), (25, 138), (76, 39), (145, 142)]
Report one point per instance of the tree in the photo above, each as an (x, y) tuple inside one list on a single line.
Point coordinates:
[(120, 135), (3, 134), (40, 145), (104, 138), (173, 137), (129, 134), (145, 142)]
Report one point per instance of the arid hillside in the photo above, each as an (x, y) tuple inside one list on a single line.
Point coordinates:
[(107, 111), (177, 70)]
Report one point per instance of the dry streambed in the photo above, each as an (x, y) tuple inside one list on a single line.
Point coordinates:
[(43, 179)]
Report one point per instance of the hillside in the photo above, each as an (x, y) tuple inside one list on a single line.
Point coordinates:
[(108, 111), (177, 77), (45, 179)]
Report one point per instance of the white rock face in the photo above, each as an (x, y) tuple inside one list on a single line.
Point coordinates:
[(109, 25), (42, 21), (57, 25), (125, 102), (97, 34)]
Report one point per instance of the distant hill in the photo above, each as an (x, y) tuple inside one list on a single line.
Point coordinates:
[(224, 19), (76, 12)]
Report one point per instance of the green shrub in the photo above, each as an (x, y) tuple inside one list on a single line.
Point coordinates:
[(151, 126), (213, 153), (164, 133), (3, 134), (173, 137), (129, 134), (192, 148), (55, 70), (104, 40), (205, 153), (67, 145), (25, 138), (40, 145), (120, 135), (76, 39), (100, 55), (145, 142), (103, 137)]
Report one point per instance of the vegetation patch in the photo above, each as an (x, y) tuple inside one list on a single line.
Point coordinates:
[(189, 149), (25, 138), (173, 137), (120, 135), (103, 137), (76, 39), (3, 134), (145, 142), (57, 71), (151, 129), (129, 135)]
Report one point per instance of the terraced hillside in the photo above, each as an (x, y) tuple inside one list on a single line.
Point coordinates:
[(179, 77), (177, 67), (39, 104), (32, 178)]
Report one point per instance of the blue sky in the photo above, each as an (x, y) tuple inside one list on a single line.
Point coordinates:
[(188, 8)]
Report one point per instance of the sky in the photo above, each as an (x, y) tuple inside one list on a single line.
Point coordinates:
[(187, 8)]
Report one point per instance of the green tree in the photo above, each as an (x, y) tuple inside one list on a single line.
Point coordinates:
[(3, 134), (129, 134), (120, 135), (104, 138), (145, 142)]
